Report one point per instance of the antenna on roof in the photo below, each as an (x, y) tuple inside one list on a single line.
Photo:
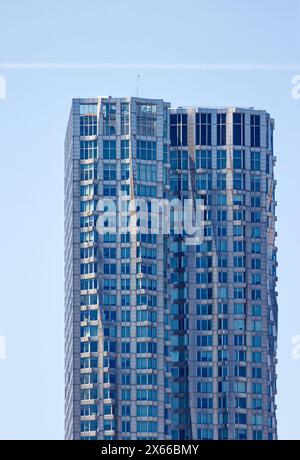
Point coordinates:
[(138, 85)]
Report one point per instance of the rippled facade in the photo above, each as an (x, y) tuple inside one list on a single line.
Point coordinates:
[(165, 339)]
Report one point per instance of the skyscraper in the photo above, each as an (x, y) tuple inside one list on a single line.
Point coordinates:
[(164, 338)]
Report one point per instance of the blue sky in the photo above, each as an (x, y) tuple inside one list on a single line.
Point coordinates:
[(33, 119)]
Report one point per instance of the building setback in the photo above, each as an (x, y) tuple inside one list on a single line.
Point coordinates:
[(165, 339)]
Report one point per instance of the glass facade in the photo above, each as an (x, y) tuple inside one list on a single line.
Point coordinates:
[(166, 340)]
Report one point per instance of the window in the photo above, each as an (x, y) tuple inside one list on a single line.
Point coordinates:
[(146, 379), (88, 237), (88, 150), (109, 425), (256, 278), (124, 118), (222, 293), (204, 434), (256, 387), (204, 403), (222, 308), (150, 427), (256, 342), (238, 246), (109, 171), (256, 358), (239, 200), (109, 150), (256, 294), (146, 315), (178, 129), (203, 129), (88, 363), (88, 125), (238, 181), (146, 119), (109, 238), (91, 252), (239, 262), (204, 387), (256, 310), (204, 371), (203, 278), (221, 200), (109, 190), (203, 159), (88, 109), (109, 269), (238, 230), (91, 425), (179, 159), (239, 309), (221, 159), (204, 309), (221, 181), (146, 411), (222, 277), (125, 300), (89, 299), (88, 409), (222, 261), (239, 325), (109, 315), (89, 347), (146, 331), (88, 268), (239, 293), (240, 434), (146, 172), (125, 171), (241, 419), (238, 159), (268, 164), (124, 149), (256, 248), (88, 172), (255, 131), (166, 153), (204, 293), (109, 119), (166, 123), (255, 231), (146, 150), (147, 191), (255, 183), (239, 129), (221, 129), (255, 161), (88, 190), (204, 262), (255, 201), (204, 182), (147, 395)]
